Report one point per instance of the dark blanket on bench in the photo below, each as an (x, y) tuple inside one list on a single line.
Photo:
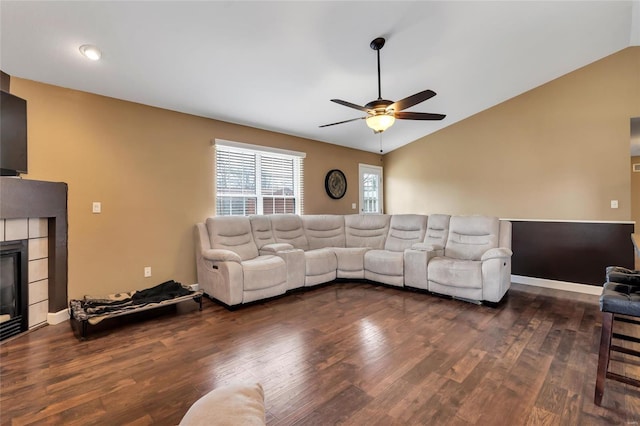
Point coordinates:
[(166, 291)]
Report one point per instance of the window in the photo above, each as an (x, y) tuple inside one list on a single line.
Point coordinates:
[(252, 179)]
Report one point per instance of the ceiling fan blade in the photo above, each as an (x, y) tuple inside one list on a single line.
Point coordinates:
[(340, 122), (412, 100), (350, 105), (418, 116)]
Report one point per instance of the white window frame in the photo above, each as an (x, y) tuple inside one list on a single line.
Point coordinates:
[(259, 151)]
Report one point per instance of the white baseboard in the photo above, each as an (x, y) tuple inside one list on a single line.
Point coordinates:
[(558, 285), (54, 318)]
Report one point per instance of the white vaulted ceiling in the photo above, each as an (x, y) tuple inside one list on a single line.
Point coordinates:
[(276, 65)]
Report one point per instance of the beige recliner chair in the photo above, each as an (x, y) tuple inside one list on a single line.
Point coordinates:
[(230, 268), (387, 265), (476, 263), (362, 233), (320, 263)]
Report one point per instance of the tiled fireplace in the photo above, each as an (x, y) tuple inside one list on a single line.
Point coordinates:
[(34, 233), (33, 214)]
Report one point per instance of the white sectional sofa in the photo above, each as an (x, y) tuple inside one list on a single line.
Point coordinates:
[(244, 259)]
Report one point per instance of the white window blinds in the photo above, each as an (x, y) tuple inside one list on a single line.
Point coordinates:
[(257, 180)]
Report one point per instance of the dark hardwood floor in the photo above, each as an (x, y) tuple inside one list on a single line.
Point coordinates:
[(349, 353)]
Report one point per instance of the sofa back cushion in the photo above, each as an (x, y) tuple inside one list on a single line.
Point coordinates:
[(261, 229), (470, 236), (366, 230), (287, 228), (405, 230), (232, 233), (324, 230), (437, 230)]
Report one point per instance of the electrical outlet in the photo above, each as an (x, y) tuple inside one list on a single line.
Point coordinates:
[(614, 204), (147, 271), (96, 207)]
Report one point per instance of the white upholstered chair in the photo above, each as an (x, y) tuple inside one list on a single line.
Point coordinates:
[(476, 263), (387, 265), (230, 268), (320, 263)]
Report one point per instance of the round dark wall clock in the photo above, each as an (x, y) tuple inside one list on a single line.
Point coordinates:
[(335, 184)]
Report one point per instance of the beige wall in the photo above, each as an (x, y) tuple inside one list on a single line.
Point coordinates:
[(152, 170), (560, 151), (635, 200), (557, 152)]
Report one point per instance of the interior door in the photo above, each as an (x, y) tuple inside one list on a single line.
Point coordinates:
[(370, 189)]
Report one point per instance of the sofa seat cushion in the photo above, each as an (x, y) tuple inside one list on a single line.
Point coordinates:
[(455, 272), (384, 262), (320, 262), (264, 272)]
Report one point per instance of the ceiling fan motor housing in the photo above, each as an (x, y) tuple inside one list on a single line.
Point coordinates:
[(378, 104)]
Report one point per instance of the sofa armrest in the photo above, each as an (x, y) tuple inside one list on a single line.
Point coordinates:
[(426, 247), (220, 255), (294, 258), (415, 266), (496, 253), (275, 248)]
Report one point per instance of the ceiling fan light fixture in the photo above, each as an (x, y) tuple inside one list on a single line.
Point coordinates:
[(380, 122)]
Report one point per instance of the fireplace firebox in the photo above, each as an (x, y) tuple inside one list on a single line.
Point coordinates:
[(13, 288)]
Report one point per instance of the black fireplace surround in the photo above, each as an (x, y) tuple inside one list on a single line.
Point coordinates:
[(14, 310)]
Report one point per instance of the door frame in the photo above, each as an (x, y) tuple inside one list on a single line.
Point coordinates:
[(362, 168)]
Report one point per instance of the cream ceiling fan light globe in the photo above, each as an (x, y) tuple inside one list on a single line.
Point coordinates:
[(381, 122), (90, 52)]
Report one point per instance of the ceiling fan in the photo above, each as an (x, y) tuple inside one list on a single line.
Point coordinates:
[(382, 113)]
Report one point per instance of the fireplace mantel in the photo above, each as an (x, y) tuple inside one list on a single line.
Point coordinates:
[(23, 198)]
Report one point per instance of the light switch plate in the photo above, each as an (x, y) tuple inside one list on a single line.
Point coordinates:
[(614, 204), (96, 207)]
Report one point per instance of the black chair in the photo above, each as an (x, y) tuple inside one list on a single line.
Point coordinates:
[(618, 274), (620, 301)]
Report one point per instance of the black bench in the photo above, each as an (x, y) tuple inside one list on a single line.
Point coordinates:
[(91, 311)]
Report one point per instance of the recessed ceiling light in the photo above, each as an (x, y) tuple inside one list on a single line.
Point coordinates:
[(90, 52)]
